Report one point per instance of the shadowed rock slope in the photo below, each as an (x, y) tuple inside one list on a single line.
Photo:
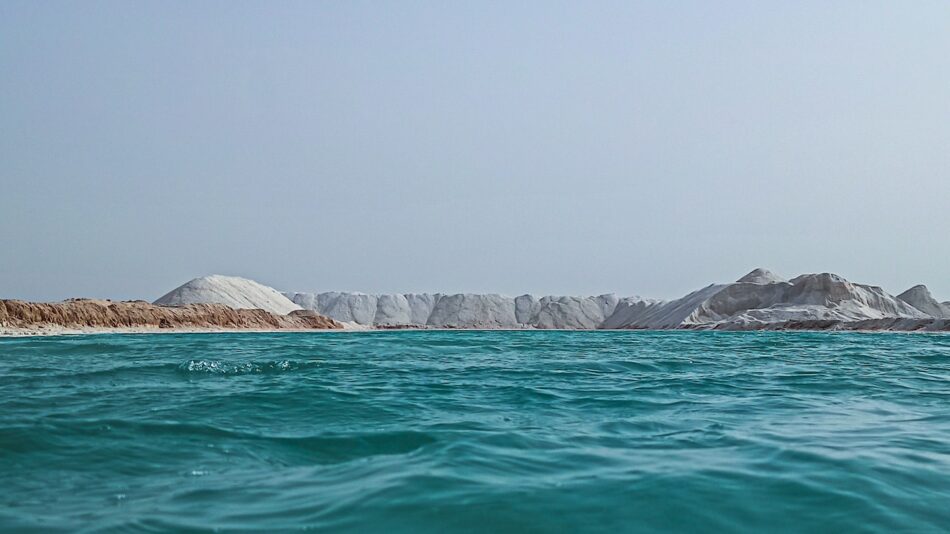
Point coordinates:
[(919, 297)]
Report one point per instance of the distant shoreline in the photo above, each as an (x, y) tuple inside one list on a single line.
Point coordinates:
[(6, 332), (58, 332)]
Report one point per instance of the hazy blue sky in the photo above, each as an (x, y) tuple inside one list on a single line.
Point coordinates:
[(636, 147)]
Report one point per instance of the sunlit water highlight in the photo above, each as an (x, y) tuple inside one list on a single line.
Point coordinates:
[(476, 431)]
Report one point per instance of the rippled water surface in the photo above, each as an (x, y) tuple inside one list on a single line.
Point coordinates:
[(476, 431)]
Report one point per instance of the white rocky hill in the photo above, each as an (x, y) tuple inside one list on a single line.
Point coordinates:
[(761, 297), (232, 291), (919, 297)]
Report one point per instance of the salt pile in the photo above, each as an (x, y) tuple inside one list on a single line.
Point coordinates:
[(232, 291)]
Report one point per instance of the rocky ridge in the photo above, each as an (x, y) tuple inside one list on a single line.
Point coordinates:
[(461, 310)]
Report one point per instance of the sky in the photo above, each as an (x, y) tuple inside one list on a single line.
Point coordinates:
[(645, 148)]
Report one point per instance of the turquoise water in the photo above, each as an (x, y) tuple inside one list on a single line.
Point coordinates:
[(476, 431)]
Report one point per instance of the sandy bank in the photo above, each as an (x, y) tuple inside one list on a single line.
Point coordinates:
[(88, 316)]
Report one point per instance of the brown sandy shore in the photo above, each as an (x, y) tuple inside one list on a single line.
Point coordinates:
[(77, 316)]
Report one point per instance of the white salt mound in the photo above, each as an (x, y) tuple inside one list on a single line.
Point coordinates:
[(231, 291)]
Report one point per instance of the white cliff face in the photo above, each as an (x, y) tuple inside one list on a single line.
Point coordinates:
[(368, 310), (307, 301), (421, 306), (461, 310), (919, 297), (358, 308), (582, 313), (392, 310), (673, 313), (474, 311), (628, 311), (526, 307), (232, 291)]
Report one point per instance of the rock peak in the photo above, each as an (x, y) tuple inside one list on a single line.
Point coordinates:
[(919, 289), (760, 276), (919, 297)]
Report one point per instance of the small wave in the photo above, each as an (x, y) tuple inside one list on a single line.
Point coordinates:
[(221, 367)]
